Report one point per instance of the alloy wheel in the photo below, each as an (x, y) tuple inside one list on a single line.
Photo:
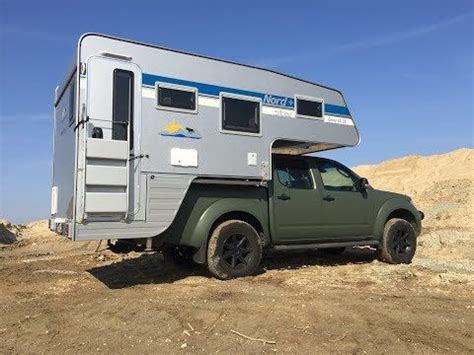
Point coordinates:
[(401, 243), (236, 251)]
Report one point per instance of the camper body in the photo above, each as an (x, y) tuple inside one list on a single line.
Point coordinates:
[(130, 182), (160, 145)]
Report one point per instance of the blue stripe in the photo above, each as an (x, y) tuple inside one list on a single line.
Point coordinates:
[(214, 90), (337, 110)]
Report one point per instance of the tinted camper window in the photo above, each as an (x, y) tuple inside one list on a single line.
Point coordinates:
[(177, 98), (309, 108), (122, 114), (240, 115)]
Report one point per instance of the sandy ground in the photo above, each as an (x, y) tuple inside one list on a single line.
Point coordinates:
[(58, 296)]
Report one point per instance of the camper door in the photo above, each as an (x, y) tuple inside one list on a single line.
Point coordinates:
[(111, 183)]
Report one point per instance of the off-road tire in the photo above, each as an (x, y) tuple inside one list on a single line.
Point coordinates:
[(234, 250), (398, 244)]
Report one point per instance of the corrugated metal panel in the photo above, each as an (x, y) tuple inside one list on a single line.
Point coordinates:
[(164, 197), (118, 230), (165, 194)]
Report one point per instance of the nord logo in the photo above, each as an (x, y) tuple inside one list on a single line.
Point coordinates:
[(276, 101)]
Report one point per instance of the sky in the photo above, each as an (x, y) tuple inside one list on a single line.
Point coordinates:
[(405, 68)]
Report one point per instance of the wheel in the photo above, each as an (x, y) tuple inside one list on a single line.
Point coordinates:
[(334, 251), (398, 244), (234, 250)]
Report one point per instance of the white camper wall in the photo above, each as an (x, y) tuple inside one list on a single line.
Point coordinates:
[(64, 152), (220, 152)]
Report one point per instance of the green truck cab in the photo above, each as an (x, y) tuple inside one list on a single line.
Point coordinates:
[(310, 203)]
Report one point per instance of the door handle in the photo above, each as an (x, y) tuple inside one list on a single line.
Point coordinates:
[(328, 198), (284, 197)]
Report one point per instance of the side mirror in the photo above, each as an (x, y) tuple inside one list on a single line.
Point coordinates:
[(363, 184)]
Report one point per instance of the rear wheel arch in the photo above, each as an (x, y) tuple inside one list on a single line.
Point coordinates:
[(201, 255), (241, 216)]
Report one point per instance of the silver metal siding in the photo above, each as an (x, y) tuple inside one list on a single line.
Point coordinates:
[(165, 194)]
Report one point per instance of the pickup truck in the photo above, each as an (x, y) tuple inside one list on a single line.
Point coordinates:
[(310, 203)]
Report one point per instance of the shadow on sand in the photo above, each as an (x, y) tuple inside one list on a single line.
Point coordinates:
[(154, 269)]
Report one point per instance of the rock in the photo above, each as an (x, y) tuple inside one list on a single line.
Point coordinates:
[(5, 222), (6, 234)]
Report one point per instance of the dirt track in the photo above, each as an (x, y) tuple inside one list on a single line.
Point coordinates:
[(76, 300), (59, 296)]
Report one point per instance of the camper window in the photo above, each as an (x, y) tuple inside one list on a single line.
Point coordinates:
[(240, 115), (122, 115), (309, 107), (176, 98)]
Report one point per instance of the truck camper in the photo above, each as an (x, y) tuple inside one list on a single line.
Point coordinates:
[(168, 148)]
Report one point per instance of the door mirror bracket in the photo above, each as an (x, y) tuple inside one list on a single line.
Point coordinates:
[(363, 184)]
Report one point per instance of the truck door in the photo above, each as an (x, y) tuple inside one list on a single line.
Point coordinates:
[(346, 212), (295, 204), (111, 176)]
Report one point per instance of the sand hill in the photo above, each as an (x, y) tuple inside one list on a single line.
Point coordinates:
[(441, 185)]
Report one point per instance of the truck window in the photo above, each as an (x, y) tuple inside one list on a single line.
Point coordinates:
[(309, 107), (176, 97), (294, 175), (240, 115), (122, 114), (336, 177)]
